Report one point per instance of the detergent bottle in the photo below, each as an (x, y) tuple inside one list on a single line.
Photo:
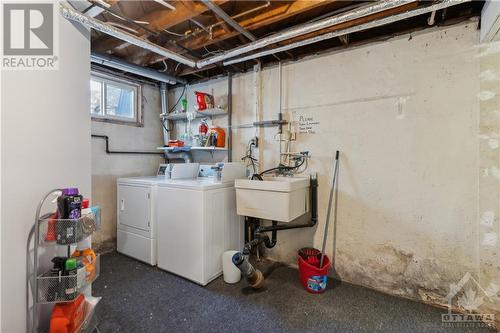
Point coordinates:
[(51, 235), (68, 317), (87, 256), (69, 205), (220, 136), (86, 207)]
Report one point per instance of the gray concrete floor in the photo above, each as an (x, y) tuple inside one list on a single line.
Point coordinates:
[(140, 298)]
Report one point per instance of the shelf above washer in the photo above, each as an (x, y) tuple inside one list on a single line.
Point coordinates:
[(195, 148), (199, 114)]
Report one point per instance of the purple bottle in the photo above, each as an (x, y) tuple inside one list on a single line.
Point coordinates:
[(69, 206)]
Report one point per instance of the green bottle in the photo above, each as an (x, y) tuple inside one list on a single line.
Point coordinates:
[(184, 103)]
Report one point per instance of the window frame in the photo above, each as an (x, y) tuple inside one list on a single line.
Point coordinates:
[(118, 82)]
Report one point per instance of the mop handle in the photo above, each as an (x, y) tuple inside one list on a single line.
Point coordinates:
[(329, 208)]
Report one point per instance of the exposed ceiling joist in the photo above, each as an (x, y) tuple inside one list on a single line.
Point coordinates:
[(229, 20), (278, 26), (293, 32), (276, 12), (159, 20)]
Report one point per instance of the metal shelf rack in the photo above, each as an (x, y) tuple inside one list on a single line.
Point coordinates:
[(45, 288)]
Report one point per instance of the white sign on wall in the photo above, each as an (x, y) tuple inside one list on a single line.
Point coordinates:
[(307, 124)]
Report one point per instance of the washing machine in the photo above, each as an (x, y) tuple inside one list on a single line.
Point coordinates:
[(159, 217), (197, 223)]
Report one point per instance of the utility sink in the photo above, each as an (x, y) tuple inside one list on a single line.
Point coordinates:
[(281, 199)]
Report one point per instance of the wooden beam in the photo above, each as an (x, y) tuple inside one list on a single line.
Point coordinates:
[(278, 12), (158, 20), (269, 16)]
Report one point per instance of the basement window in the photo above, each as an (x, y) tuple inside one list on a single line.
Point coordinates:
[(115, 100)]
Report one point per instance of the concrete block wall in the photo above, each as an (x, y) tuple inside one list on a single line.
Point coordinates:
[(106, 168), (405, 115), (489, 175)]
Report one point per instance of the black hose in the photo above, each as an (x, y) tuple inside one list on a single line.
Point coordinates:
[(281, 167)]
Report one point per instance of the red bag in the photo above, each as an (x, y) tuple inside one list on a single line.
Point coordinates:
[(204, 101)]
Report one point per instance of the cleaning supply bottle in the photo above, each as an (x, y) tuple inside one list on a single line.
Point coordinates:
[(203, 128), (57, 270), (51, 235), (68, 317), (86, 207), (87, 257), (220, 136), (70, 269), (184, 103), (69, 206), (96, 210)]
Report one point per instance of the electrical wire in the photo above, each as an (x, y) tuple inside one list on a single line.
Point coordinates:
[(251, 161), (208, 52), (179, 99), (173, 107), (281, 168), (173, 33), (166, 66), (165, 127)]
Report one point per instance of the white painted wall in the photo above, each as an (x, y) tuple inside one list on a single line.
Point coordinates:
[(107, 168), (404, 113), (45, 144)]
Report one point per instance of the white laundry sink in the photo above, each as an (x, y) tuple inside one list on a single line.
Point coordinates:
[(280, 199)]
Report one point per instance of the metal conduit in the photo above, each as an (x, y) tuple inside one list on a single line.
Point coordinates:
[(304, 29), (76, 16), (73, 15), (365, 26), (116, 63)]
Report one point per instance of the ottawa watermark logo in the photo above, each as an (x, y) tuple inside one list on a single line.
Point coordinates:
[(29, 35), (468, 295)]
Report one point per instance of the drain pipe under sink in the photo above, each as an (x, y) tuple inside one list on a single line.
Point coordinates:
[(254, 277)]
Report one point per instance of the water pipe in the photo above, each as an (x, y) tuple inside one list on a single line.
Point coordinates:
[(255, 277)]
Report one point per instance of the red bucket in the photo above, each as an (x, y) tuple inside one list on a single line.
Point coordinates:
[(313, 278)]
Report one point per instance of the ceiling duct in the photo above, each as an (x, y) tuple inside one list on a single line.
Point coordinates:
[(365, 26), (305, 29), (109, 61)]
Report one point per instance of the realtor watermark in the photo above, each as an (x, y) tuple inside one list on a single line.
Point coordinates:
[(468, 295), (30, 35)]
